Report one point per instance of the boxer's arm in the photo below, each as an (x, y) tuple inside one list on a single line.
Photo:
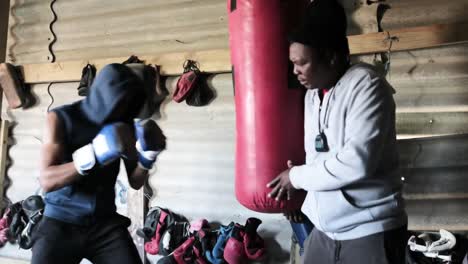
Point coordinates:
[(137, 176), (53, 174), (150, 142)]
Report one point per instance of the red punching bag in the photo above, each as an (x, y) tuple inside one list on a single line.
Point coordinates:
[(269, 114)]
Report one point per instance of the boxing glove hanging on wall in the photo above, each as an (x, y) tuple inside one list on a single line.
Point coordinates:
[(269, 114)]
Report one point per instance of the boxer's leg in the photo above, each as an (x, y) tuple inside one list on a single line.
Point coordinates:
[(116, 247), (109, 242), (56, 242)]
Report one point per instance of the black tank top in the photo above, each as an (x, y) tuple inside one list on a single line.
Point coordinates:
[(93, 196)]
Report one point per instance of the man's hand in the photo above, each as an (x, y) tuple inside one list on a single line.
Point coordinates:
[(282, 187), (112, 142)]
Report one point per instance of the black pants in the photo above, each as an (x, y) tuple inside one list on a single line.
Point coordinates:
[(382, 248), (107, 241)]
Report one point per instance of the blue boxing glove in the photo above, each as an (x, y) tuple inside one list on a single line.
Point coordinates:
[(150, 142), (112, 142)]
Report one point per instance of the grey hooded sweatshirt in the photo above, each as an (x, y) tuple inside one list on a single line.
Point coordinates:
[(354, 189)]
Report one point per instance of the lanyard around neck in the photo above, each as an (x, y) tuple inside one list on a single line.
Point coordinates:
[(326, 108)]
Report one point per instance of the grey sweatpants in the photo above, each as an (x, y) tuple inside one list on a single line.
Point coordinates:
[(382, 248)]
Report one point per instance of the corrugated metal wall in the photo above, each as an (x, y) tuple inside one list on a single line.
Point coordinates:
[(431, 94), (196, 173), (195, 176), (413, 13), (113, 28)]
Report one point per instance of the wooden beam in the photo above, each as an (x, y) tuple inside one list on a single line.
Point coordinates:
[(3, 153), (217, 61), (409, 38), (170, 64)]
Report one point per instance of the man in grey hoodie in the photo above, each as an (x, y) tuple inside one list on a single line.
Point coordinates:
[(351, 173)]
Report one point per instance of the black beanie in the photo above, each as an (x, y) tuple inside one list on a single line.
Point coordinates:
[(323, 26)]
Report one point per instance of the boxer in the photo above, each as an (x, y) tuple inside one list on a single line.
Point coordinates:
[(84, 143)]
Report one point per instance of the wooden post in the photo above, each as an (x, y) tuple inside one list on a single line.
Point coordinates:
[(3, 153), (137, 208), (4, 10)]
